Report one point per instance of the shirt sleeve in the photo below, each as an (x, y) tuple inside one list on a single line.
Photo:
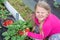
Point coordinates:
[(34, 35), (47, 31)]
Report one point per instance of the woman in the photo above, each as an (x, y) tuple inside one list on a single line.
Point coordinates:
[(47, 23)]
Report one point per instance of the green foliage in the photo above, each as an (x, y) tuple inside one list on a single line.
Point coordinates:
[(7, 37), (13, 38), (5, 34), (56, 4), (4, 13), (1, 1), (12, 32), (23, 37), (1, 6)]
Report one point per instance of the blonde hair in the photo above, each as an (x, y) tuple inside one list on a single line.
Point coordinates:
[(43, 4)]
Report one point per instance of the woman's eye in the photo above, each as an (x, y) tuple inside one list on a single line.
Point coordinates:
[(38, 12)]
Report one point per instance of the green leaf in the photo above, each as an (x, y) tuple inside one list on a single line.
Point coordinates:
[(4, 13), (1, 6), (22, 37), (11, 27), (7, 38), (5, 34), (18, 37), (1, 1), (0, 12), (12, 33), (56, 5), (23, 27), (17, 27), (13, 38), (29, 25)]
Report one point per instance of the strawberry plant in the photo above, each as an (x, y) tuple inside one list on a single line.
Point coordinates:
[(3, 14), (3, 11), (15, 30), (1, 6), (1, 1)]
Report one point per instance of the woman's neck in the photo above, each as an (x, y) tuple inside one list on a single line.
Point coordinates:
[(41, 21)]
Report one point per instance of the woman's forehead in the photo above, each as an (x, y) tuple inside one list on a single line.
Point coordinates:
[(40, 9)]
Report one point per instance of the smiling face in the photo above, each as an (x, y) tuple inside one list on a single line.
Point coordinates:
[(41, 13)]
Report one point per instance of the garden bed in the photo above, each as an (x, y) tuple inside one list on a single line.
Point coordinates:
[(4, 14), (20, 7)]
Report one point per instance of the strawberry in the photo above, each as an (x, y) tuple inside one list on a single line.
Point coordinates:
[(20, 32), (7, 22), (10, 22), (27, 30)]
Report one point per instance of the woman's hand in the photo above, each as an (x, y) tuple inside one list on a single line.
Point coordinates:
[(25, 33)]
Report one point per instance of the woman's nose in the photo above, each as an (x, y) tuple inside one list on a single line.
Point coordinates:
[(40, 14)]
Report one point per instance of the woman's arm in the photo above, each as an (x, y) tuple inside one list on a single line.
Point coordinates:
[(46, 32), (34, 35)]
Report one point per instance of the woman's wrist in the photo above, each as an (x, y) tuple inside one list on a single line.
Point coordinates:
[(25, 33)]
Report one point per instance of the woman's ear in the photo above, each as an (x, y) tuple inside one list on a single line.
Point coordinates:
[(49, 11)]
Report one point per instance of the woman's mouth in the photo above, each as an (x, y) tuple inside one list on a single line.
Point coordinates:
[(41, 16)]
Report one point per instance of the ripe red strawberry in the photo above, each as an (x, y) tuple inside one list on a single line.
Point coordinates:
[(20, 32), (27, 30), (7, 22), (10, 22)]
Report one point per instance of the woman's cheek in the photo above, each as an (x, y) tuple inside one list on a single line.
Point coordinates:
[(37, 15)]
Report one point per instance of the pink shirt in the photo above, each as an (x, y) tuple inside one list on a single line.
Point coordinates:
[(50, 27)]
